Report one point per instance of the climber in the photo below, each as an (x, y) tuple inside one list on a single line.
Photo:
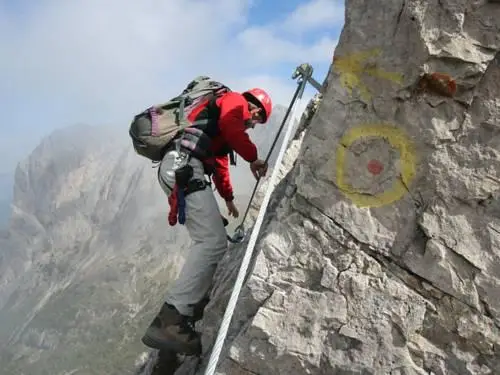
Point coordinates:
[(196, 154)]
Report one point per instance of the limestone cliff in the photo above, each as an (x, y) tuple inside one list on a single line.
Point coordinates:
[(380, 252)]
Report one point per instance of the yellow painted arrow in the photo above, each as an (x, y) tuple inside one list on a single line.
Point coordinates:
[(353, 66)]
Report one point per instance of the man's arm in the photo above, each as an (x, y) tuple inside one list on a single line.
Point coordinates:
[(222, 179)]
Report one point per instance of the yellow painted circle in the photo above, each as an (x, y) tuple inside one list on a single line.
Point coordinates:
[(398, 140)]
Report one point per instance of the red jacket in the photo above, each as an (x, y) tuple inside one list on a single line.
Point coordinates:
[(234, 113)]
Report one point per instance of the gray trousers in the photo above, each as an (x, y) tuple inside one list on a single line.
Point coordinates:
[(207, 232)]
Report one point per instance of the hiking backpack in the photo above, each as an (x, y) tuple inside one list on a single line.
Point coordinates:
[(153, 129)]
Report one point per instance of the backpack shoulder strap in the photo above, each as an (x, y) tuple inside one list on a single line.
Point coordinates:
[(209, 114)]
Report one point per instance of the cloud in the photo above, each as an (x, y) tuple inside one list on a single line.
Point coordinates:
[(90, 52), (267, 47), (314, 15), (89, 61), (279, 42)]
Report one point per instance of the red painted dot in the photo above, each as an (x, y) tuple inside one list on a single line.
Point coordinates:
[(375, 167)]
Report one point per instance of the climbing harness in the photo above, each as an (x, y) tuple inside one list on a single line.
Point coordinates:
[(305, 76), (304, 73), (184, 185)]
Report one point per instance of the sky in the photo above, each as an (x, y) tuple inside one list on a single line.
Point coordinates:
[(100, 62)]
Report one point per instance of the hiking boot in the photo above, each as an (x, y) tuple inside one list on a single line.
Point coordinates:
[(167, 363), (172, 331), (199, 308)]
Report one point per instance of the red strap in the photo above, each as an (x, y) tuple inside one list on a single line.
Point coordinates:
[(172, 201)]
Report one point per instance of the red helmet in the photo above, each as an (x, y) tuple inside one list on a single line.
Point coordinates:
[(260, 98)]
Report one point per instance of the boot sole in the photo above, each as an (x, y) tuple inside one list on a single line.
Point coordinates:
[(171, 345)]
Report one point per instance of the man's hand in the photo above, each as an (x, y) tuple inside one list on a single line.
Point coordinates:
[(232, 210), (258, 168)]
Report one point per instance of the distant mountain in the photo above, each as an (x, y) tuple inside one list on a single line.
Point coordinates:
[(89, 254), (6, 188), (87, 257)]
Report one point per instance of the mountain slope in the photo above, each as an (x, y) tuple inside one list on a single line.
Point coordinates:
[(6, 187), (380, 251), (89, 254)]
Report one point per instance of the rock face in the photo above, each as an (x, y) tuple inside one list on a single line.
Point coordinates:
[(380, 252)]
